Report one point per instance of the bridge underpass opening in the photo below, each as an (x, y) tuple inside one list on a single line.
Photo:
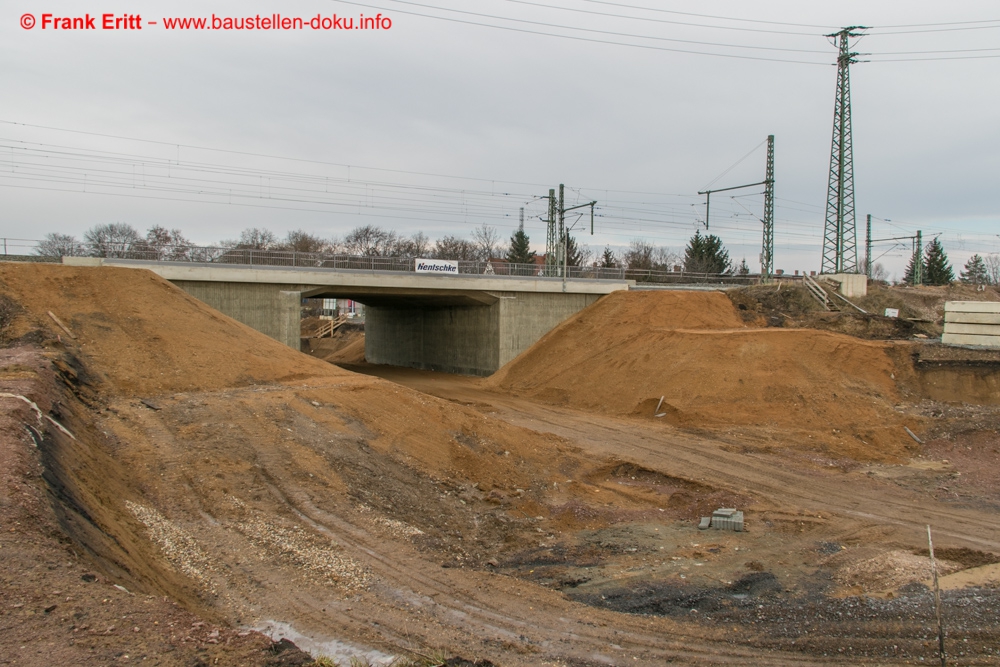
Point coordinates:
[(472, 333)]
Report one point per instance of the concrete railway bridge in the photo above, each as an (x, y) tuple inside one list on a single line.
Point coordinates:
[(466, 323)]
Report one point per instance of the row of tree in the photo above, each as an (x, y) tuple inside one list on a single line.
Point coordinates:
[(935, 269), (703, 253), (123, 240)]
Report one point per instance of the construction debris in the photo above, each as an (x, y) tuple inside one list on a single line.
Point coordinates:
[(723, 518)]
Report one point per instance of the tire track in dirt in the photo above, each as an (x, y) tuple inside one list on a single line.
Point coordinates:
[(469, 606), (707, 462)]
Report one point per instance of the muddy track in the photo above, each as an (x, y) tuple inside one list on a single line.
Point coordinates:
[(496, 608), (667, 450), (703, 459)]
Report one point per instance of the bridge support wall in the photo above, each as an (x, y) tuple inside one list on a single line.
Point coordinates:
[(473, 340), (272, 309)]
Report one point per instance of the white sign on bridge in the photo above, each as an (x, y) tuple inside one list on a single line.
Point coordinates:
[(437, 266)]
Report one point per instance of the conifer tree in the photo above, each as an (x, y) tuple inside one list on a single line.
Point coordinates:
[(574, 253), (706, 254), (608, 259), (975, 272), (937, 270), (520, 251), (911, 269)]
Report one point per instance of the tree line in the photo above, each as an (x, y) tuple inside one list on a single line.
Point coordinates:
[(935, 269), (704, 254), (123, 240)]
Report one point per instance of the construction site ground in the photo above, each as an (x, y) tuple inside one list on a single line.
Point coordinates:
[(186, 481)]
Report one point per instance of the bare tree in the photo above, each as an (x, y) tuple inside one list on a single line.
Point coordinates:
[(664, 259), (256, 238), (879, 272), (487, 241), (302, 241), (453, 247), (640, 255), (370, 241), (993, 268), (335, 245), (417, 245), (59, 245), (116, 239), (163, 244)]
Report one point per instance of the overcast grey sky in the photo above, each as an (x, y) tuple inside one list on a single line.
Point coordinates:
[(447, 124)]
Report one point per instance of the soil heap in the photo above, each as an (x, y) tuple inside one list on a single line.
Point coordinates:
[(820, 389)]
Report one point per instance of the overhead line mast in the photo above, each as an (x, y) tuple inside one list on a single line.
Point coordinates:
[(840, 242), (767, 243)]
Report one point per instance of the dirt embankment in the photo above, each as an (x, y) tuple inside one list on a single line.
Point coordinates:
[(142, 336), (921, 309), (252, 484), (821, 390)]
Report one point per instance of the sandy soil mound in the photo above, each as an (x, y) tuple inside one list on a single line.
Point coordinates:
[(345, 347), (146, 336), (825, 390)]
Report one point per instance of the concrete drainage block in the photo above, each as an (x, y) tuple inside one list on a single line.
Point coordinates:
[(723, 519)]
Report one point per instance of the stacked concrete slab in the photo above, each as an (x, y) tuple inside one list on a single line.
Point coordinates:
[(972, 323), (724, 518)]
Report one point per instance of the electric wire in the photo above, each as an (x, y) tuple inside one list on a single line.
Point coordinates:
[(602, 32), (684, 23), (582, 39)]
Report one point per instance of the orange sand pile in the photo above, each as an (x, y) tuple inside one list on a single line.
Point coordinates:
[(148, 336), (813, 388)]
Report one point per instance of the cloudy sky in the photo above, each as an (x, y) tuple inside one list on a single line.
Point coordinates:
[(459, 113)]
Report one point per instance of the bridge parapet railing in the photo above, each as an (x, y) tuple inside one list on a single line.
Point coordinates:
[(33, 249)]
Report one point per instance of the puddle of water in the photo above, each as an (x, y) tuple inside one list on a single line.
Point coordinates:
[(339, 651)]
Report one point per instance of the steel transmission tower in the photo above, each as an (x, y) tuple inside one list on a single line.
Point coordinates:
[(840, 243), (551, 240), (767, 246)]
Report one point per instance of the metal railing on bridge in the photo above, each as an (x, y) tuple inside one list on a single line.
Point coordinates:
[(31, 250)]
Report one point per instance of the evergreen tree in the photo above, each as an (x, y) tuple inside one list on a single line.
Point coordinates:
[(608, 259), (706, 254), (520, 251), (911, 269), (574, 254), (743, 269), (937, 270), (975, 271)]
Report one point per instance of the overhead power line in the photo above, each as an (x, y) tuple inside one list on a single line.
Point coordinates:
[(601, 32), (704, 16), (671, 22), (578, 38), (878, 57)]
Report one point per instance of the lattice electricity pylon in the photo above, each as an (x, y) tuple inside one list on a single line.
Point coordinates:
[(551, 238), (840, 242), (767, 246)]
